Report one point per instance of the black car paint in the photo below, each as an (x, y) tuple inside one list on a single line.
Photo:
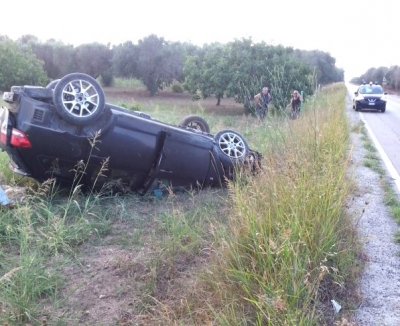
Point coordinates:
[(142, 151), (373, 100)]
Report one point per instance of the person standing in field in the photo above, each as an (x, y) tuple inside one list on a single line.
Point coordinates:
[(262, 100), (295, 103)]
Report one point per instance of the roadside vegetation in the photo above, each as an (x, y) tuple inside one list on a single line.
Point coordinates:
[(373, 161), (272, 249), (388, 77), (235, 70)]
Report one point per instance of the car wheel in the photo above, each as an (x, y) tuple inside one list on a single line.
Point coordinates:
[(356, 108), (79, 98), (52, 84), (195, 122), (383, 109), (232, 145)]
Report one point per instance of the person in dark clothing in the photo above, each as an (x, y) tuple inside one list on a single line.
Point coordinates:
[(295, 103), (262, 100)]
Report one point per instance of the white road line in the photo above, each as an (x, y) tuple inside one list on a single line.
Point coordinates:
[(392, 171)]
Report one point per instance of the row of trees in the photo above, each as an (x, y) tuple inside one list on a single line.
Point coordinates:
[(382, 75), (237, 69)]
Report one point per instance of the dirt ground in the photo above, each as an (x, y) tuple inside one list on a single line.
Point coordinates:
[(142, 97), (116, 280), (123, 278)]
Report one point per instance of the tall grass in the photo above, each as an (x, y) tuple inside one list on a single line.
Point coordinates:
[(272, 249), (286, 252), (285, 248), (34, 238), (6, 175), (129, 82)]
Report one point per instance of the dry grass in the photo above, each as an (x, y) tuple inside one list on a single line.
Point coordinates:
[(270, 249)]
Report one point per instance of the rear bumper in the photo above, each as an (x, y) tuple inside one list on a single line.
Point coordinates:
[(16, 164), (17, 169)]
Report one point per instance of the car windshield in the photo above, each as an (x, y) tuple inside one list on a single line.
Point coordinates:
[(371, 89)]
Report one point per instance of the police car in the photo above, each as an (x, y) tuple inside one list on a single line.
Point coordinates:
[(370, 97)]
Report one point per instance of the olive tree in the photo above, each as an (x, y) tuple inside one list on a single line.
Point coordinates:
[(19, 66), (159, 62), (92, 58), (208, 73), (241, 68), (57, 57), (323, 64), (393, 77), (257, 65), (125, 60)]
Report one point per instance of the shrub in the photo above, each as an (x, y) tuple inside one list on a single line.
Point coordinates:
[(133, 107), (177, 87), (107, 78)]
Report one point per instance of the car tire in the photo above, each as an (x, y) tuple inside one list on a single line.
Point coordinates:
[(232, 146), (79, 98), (195, 122), (383, 109), (52, 84)]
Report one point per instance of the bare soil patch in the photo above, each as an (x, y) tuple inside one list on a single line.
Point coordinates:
[(128, 277)]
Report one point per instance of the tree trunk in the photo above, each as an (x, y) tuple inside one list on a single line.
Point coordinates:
[(218, 100)]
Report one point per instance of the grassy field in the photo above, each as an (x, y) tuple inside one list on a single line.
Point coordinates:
[(271, 249)]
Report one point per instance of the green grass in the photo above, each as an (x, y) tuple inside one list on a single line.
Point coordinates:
[(32, 236), (272, 249), (373, 161), (128, 83), (288, 237), (7, 176)]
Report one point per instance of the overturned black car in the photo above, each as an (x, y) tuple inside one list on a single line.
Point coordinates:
[(49, 131)]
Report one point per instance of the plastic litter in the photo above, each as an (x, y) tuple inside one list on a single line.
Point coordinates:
[(336, 306)]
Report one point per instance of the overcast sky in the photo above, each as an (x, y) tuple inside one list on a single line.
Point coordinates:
[(360, 34)]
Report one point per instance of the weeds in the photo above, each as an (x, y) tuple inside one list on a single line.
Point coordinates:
[(43, 227), (269, 250), (284, 247), (288, 227), (373, 161)]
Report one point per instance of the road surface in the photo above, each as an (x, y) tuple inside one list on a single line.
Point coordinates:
[(384, 129)]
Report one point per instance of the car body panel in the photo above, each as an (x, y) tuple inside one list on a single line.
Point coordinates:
[(370, 97), (141, 152)]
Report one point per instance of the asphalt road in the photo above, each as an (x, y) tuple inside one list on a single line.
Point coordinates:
[(384, 129)]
